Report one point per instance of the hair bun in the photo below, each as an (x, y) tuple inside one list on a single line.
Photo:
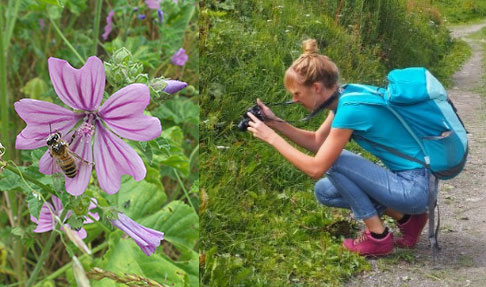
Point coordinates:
[(310, 47)]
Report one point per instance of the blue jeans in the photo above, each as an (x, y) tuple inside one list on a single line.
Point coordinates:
[(368, 189)]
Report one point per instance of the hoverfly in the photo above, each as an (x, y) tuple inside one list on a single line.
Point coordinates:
[(64, 157)]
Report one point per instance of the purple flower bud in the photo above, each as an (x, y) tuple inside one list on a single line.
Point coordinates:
[(135, 9), (179, 58), (141, 16), (42, 24), (160, 14), (173, 86), (108, 26), (147, 239)]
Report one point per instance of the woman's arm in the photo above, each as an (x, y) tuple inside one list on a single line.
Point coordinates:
[(309, 140), (314, 166)]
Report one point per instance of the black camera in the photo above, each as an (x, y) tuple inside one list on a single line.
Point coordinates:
[(256, 111)]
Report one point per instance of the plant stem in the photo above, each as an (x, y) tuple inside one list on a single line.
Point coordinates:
[(184, 189), (4, 108), (96, 28), (42, 257), (31, 179), (4, 103), (99, 223), (63, 269), (66, 41), (11, 19), (193, 154)]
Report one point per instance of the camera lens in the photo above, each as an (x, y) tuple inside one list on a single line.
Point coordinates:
[(243, 125)]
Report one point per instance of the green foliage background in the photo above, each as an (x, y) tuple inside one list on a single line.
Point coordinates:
[(261, 225)]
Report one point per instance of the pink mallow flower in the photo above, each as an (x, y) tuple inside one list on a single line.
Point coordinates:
[(46, 221), (179, 58), (147, 239), (122, 113), (109, 24), (153, 4)]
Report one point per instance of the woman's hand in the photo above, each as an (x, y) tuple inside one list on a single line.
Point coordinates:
[(261, 130), (267, 111)]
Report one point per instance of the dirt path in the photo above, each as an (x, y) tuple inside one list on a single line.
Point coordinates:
[(462, 201)]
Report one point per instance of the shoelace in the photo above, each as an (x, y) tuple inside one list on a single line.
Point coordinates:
[(361, 237)]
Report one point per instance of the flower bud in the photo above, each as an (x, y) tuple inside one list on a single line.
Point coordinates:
[(76, 240), (121, 56), (79, 274)]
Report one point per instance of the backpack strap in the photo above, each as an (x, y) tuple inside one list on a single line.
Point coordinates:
[(433, 233), (391, 150)]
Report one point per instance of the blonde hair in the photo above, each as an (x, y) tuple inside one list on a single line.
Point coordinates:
[(311, 67)]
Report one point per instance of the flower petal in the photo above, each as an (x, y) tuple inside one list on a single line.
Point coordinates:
[(81, 233), (57, 205), (179, 58), (113, 157), (46, 221), (81, 146), (80, 89), (153, 4), (96, 216), (42, 118), (123, 114)]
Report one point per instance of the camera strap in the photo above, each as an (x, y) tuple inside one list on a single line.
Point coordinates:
[(324, 105), (321, 107)]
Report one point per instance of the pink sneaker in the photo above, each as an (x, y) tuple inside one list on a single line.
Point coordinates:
[(366, 245), (411, 230)]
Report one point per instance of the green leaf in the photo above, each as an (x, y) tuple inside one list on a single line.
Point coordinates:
[(179, 162), (34, 204), (176, 158), (195, 187), (138, 199), (162, 144), (176, 23), (178, 221), (9, 180), (125, 257), (37, 154), (54, 12), (179, 110), (173, 134), (18, 231), (53, 2)]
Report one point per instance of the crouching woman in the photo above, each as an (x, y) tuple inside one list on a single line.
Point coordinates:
[(400, 190)]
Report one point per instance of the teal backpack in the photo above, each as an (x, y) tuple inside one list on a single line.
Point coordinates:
[(420, 102)]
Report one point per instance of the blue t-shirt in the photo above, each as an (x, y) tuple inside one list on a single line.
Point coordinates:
[(379, 125)]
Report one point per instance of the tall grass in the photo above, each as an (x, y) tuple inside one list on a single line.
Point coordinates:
[(261, 225)]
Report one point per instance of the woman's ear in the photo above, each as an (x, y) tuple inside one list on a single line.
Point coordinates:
[(318, 87)]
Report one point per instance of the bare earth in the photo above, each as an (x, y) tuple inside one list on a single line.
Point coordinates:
[(462, 201)]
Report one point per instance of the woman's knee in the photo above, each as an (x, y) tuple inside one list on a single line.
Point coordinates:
[(324, 191)]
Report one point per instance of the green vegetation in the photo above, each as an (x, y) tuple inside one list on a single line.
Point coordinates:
[(261, 225), (458, 11)]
